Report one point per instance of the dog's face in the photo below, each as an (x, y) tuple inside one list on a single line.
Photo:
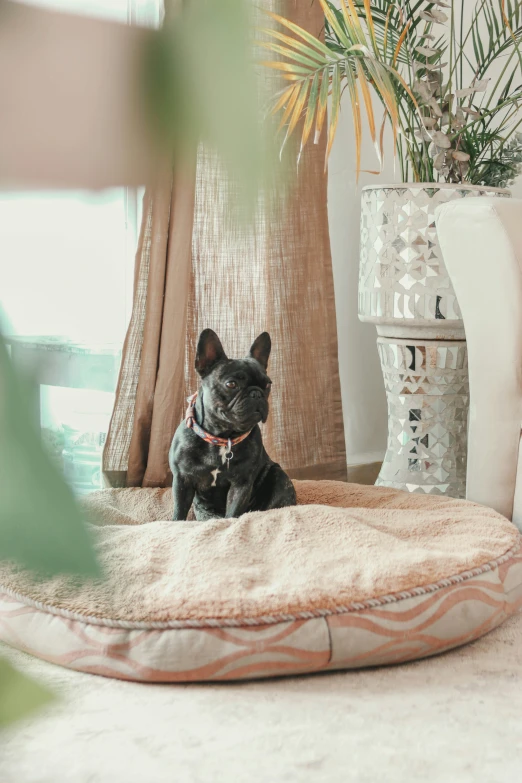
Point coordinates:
[(234, 391)]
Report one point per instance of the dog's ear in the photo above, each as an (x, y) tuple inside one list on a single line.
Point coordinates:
[(260, 349), (209, 352)]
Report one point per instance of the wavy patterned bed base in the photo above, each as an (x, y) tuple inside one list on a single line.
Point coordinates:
[(391, 629)]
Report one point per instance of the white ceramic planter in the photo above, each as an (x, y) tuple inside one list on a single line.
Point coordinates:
[(405, 290)]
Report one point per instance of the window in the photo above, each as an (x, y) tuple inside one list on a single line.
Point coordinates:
[(66, 274)]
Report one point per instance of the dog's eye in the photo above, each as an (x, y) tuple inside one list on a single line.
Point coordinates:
[(231, 385)]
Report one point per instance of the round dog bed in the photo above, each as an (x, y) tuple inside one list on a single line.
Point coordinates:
[(353, 576)]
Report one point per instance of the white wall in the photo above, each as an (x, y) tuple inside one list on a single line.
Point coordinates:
[(364, 400)]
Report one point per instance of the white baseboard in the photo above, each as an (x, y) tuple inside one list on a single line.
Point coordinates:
[(364, 457)]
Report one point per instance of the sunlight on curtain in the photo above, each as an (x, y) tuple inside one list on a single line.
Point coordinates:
[(66, 276)]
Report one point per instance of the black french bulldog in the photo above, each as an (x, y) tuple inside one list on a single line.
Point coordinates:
[(217, 456)]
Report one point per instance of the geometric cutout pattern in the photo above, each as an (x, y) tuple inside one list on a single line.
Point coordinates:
[(402, 273), (427, 390)]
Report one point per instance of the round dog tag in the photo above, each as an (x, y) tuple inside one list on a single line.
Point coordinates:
[(229, 454)]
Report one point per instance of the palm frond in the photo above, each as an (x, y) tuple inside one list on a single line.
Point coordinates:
[(316, 70), (367, 98), (282, 100), (336, 105), (295, 56), (396, 51), (292, 98), (321, 105), (503, 24), (312, 41), (293, 43), (298, 107), (400, 42), (356, 112)]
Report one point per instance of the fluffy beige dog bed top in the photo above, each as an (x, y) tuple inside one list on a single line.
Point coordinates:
[(353, 576)]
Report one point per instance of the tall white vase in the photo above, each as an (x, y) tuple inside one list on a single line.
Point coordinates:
[(405, 290)]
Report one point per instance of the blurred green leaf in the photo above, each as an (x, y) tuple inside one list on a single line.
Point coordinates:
[(202, 85), (41, 525), (19, 695)]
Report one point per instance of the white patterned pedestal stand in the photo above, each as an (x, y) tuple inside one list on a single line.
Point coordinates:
[(405, 290)]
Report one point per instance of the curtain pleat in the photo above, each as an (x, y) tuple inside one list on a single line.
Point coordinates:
[(198, 267)]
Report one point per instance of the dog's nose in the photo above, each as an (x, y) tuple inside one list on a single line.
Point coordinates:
[(256, 394)]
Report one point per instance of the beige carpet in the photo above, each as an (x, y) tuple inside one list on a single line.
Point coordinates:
[(452, 719)]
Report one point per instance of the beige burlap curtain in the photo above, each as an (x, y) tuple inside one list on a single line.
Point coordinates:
[(197, 268)]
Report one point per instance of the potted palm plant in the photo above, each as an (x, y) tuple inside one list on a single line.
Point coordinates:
[(447, 77)]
